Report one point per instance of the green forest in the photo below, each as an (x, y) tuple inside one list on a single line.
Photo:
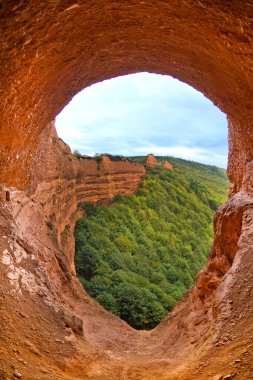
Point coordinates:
[(140, 255)]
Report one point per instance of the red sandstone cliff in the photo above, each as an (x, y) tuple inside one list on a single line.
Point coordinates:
[(151, 161), (68, 181), (167, 165)]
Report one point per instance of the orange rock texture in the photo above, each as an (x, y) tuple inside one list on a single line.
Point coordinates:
[(49, 51), (151, 161), (67, 182), (167, 165)]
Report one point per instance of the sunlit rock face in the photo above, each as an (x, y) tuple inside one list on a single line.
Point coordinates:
[(151, 161), (168, 165), (71, 181), (48, 53)]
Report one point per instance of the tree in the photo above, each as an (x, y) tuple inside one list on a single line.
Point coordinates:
[(138, 306), (77, 154), (108, 301)]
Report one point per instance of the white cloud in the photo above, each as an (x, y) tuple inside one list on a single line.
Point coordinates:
[(192, 154), (139, 113)]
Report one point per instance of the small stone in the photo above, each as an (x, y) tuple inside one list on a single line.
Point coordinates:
[(22, 361), (17, 374)]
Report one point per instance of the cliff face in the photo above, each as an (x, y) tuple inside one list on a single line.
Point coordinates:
[(49, 52), (167, 165), (67, 182), (151, 161)]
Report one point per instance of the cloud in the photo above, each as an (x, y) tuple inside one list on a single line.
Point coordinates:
[(192, 154), (140, 113)]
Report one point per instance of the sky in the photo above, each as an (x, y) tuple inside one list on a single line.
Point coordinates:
[(145, 113)]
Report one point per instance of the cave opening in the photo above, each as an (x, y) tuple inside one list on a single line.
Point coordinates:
[(138, 256), (49, 52)]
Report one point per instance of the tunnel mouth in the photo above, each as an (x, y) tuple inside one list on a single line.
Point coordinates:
[(51, 52), (143, 300)]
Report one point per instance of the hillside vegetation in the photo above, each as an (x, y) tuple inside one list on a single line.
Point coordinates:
[(139, 256)]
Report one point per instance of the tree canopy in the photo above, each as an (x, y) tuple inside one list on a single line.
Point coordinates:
[(138, 256)]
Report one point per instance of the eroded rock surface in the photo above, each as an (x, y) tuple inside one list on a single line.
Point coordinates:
[(49, 51), (167, 165), (68, 182), (151, 161)]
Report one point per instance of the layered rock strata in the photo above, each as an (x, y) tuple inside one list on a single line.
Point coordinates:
[(151, 161), (69, 181)]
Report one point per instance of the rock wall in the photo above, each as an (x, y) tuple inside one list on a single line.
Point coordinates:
[(151, 161), (167, 165), (49, 51), (67, 182)]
